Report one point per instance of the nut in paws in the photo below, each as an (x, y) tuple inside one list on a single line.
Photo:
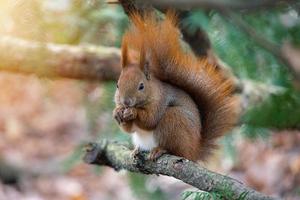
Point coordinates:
[(118, 114), (129, 114)]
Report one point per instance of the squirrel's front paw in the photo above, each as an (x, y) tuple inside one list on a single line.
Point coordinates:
[(129, 114), (118, 114)]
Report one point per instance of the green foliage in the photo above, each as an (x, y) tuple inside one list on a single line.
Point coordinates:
[(278, 111), (249, 60), (73, 159), (97, 22), (200, 195), (228, 146), (104, 25), (226, 193), (102, 106), (77, 22), (253, 132), (138, 183), (239, 51), (295, 32)]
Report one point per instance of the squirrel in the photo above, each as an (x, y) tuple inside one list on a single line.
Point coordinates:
[(167, 98)]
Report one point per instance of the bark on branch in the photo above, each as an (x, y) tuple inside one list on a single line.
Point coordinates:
[(117, 156), (56, 61)]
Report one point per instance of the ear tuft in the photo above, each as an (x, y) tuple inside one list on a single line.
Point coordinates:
[(147, 70), (144, 63), (124, 56)]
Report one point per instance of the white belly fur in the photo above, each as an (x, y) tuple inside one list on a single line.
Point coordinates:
[(143, 139)]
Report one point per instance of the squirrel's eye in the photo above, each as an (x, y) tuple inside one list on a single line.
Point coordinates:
[(117, 86), (141, 86)]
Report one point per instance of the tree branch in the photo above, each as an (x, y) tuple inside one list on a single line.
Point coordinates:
[(56, 61), (117, 156), (219, 4)]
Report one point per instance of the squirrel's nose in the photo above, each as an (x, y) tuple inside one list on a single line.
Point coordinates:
[(128, 102)]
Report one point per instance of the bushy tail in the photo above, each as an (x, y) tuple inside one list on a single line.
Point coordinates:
[(170, 62)]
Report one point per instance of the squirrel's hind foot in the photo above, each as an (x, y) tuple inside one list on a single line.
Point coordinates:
[(135, 153), (156, 153)]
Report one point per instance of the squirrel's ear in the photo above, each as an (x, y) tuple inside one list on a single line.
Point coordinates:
[(147, 70), (144, 63), (124, 56)]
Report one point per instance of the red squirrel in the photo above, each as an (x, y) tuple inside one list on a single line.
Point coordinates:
[(168, 99)]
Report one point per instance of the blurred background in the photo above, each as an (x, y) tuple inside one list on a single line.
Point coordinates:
[(44, 122)]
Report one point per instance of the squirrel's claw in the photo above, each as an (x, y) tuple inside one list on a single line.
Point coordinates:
[(134, 154), (156, 153)]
